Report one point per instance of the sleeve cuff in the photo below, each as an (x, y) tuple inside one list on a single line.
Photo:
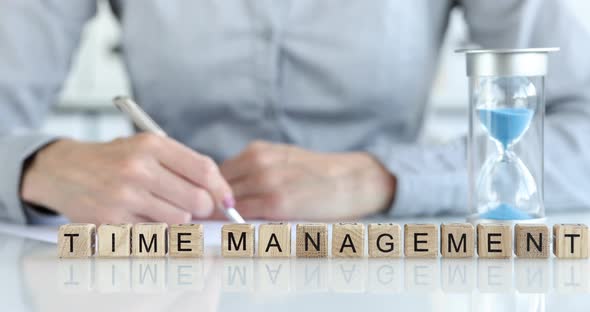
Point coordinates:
[(431, 180), (14, 150)]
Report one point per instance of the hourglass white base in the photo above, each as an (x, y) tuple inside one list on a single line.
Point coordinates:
[(475, 219)]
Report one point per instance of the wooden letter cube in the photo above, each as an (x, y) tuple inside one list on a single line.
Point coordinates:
[(76, 240), (570, 241), (237, 240), (494, 241), (457, 240), (531, 240), (312, 240), (150, 240), (114, 240), (421, 240), (348, 240), (384, 240), (186, 240), (274, 240)]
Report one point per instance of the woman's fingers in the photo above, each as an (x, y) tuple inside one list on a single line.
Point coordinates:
[(159, 210), (182, 193), (198, 169)]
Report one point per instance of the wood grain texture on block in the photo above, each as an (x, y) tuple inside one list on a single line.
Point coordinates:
[(420, 240), (494, 241), (114, 240), (457, 240), (274, 240), (311, 240), (186, 240), (570, 241), (348, 240), (149, 240), (384, 240), (237, 240), (76, 240), (531, 240)]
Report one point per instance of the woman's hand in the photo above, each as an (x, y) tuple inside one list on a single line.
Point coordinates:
[(281, 182), (142, 178)]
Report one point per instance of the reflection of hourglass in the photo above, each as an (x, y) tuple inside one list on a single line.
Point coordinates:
[(506, 190), (505, 142)]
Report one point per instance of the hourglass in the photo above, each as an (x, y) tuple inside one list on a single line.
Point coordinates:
[(505, 142)]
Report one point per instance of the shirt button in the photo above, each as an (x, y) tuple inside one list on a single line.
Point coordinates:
[(267, 34)]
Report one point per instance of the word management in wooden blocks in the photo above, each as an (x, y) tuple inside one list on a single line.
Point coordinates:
[(421, 240), (76, 240), (457, 240), (531, 241), (186, 240), (115, 240), (237, 240), (384, 240), (312, 240), (149, 240), (274, 240), (494, 241), (348, 240), (570, 241)]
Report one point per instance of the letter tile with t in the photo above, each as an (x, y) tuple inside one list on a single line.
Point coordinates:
[(384, 240), (76, 240), (274, 240), (237, 240), (150, 240), (570, 241), (312, 240), (186, 240), (348, 240), (421, 240)]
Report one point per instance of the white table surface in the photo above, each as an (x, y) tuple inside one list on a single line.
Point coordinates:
[(32, 278)]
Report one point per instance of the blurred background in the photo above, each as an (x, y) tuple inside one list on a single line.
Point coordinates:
[(85, 111)]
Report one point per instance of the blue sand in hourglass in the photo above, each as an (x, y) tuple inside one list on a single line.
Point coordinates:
[(505, 125)]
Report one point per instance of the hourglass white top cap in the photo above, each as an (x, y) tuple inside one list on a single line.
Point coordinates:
[(507, 62)]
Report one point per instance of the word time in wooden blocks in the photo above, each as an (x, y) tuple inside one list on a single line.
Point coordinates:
[(384, 240)]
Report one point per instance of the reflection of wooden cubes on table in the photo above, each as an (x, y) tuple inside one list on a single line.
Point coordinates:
[(312, 240), (457, 240), (76, 240), (570, 241), (348, 240), (494, 241), (237, 240), (186, 240), (384, 240), (421, 240), (531, 241), (274, 240), (150, 240), (114, 240)]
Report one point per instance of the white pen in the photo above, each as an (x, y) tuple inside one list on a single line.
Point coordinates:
[(144, 122)]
